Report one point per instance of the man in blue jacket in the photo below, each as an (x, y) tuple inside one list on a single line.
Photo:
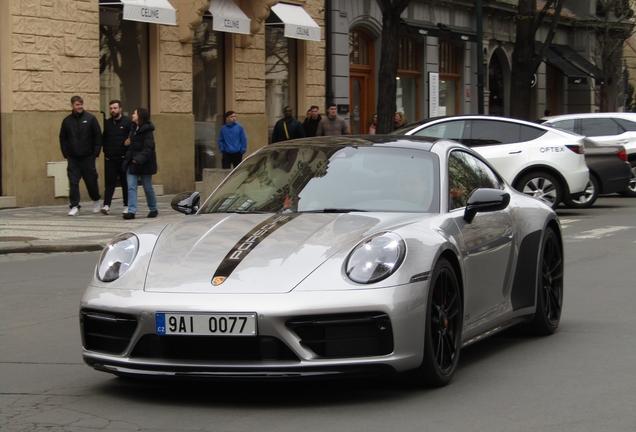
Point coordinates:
[(81, 143), (232, 141)]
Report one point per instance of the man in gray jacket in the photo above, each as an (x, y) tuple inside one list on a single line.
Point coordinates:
[(332, 124), (81, 143)]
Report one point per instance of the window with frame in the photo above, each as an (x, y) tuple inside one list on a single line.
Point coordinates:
[(465, 174), (407, 80), (449, 76), (361, 81), (280, 75)]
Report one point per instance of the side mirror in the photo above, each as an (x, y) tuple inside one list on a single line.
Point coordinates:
[(485, 200), (186, 202)]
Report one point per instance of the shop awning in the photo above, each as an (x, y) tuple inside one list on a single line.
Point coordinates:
[(439, 30), (579, 61), (149, 11), (228, 17), (297, 22), (553, 58)]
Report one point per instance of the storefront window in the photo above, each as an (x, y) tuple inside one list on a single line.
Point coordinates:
[(280, 75), (449, 76), (207, 95), (408, 76), (123, 61)]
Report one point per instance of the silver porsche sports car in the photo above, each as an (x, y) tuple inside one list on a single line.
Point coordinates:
[(324, 257)]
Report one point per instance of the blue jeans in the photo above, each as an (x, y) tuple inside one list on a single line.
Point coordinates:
[(146, 182)]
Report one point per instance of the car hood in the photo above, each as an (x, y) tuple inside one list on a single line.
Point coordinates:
[(254, 253)]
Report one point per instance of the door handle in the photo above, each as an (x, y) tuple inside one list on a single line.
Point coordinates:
[(515, 152)]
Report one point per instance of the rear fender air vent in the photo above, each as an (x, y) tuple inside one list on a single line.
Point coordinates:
[(106, 332), (345, 335)]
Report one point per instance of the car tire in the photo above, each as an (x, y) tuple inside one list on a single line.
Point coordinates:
[(631, 189), (443, 328), (542, 186), (549, 286), (589, 196)]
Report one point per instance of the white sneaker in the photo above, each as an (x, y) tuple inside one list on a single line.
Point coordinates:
[(96, 206), (105, 209), (74, 211), (125, 210)]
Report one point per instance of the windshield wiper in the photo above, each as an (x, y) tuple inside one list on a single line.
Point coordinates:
[(334, 210), (247, 212)]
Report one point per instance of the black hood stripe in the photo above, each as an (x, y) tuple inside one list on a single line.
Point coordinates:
[(249, 242)]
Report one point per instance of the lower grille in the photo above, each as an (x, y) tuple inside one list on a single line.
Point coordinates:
[(106, 332), (346, 335), (212, 348)]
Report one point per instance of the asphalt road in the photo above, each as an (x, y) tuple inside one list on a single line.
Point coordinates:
[(580, 379)]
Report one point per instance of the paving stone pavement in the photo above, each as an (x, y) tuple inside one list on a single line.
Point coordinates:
[(50, 229)]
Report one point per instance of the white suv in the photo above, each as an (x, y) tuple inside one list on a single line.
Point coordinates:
[(537, 160), (604, 129)]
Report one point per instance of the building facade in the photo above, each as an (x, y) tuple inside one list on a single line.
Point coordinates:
[(187, 61)]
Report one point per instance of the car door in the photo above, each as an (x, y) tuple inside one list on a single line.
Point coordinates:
[(604, 130), (486, 242), (500, 142)]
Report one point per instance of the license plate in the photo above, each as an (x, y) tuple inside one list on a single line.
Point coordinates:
[(206, 324)]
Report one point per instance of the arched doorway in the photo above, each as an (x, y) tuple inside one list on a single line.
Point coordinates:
[(361, 88), (499, 83)]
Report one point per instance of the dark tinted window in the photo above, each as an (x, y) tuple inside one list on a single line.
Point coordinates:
[(453, 130), (485, 132), (600, 127), (626, 124), (465, 174), (528, 133), (567, 125)]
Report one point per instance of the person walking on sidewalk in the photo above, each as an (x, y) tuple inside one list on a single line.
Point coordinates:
[(116, 130), (81, 143), (310, 125), (288, 127), (141, 162), (332, 124), (232, 141)]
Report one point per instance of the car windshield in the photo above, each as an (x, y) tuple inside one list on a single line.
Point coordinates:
[(330, 179)]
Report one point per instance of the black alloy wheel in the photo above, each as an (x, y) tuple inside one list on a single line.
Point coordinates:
[(549, 286), (589, 196), (444, 318)]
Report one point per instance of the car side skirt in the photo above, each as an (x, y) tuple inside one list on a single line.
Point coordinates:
[(524, 286)]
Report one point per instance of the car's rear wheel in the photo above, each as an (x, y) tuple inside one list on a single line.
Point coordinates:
[(549, 286), (631, 189), (542, 186), (442, 339), (589, 196)]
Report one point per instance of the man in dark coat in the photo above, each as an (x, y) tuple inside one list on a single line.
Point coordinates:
[(116, 130), (81, 143), (288, 127), (310, 125)]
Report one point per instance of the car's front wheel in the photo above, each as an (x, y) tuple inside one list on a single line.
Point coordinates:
[(542, 186), (589, 196), (631, 189), (442, 337), (549, 286)]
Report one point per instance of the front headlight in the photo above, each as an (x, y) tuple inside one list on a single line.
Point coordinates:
[(117, 257), (375, 258)]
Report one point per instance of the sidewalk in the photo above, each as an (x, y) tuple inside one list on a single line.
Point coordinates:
[(50, 229)]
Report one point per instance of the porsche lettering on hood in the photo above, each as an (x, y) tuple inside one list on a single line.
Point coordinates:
[(247, 244)]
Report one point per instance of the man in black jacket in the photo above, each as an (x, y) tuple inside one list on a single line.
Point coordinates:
[(81, 143), (116, 130), (311, 122), (288, 127)]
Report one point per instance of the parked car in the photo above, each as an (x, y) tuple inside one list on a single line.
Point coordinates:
[(604, 129), (538, 160), (328, 256), (609, 173)]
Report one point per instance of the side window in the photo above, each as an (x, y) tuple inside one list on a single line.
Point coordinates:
[(567, 125), (626, 124), (465, 174), (529, 133), (453, 130), (488, 132), (600, 127)]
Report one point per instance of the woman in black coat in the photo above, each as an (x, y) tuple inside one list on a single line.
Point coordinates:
[(141, 162)]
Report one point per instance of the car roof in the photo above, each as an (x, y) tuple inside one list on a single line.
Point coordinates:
[(473, 117), (625, 115), (420, 143)]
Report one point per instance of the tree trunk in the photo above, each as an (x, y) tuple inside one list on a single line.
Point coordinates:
[(391, 11)]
